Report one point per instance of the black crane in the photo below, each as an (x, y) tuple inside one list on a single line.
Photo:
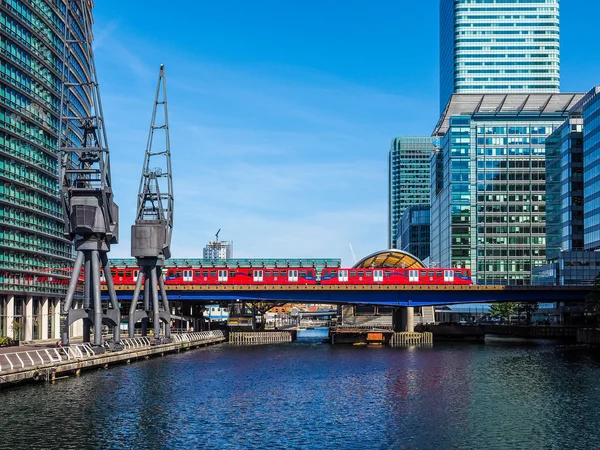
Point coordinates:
[(91, 215), (151, 234)]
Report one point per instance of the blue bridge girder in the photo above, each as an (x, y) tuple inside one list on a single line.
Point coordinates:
[(382, 295)]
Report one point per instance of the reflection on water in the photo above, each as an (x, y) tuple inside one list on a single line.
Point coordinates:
[(504, 394)]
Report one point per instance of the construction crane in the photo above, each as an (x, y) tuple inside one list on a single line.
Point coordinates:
[(151, 234), (91, 215)]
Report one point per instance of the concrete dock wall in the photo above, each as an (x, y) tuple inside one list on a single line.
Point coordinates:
[(42, 365)]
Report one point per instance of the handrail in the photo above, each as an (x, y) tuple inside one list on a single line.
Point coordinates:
[(31, 358)]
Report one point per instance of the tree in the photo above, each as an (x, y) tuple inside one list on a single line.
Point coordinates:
[(503, 310), (528, 309)]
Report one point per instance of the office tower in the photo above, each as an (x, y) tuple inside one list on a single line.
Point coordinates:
[(413, 231), (590, 109), (501, 46), (408, 178), (33, 251), (488, 209)]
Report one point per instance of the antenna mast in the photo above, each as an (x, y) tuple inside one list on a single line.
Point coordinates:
[(151, 234), (91, 215)]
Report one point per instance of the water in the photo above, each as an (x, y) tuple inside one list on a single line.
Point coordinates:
[(506, 394)]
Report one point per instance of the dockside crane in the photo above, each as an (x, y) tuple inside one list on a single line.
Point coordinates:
[(91, 215), (151, 234)]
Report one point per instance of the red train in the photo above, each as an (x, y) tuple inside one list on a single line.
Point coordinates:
[(300, 275)]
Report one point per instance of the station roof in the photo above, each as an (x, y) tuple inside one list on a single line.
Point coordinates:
[(391, 258)]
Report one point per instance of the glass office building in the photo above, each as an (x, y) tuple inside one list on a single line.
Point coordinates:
[(488, 190), (499, 46), (408, 181), (564, 188), (33, 250), (590, 108), (413, 231)]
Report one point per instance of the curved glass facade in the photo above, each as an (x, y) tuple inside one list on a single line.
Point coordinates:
[(33, 250), (500, 46)]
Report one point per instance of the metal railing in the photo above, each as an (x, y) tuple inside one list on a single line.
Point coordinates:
[(32, 358), (198, 336)]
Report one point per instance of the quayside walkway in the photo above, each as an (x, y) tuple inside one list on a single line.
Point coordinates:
[(50, 363)]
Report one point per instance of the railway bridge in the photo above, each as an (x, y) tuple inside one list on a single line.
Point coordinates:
[(401, 297)]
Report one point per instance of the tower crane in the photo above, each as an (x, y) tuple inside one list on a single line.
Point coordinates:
[(151, 234), (91, 215)]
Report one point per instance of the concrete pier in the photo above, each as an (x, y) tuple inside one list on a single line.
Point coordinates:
[(48, 364), (403, 319)]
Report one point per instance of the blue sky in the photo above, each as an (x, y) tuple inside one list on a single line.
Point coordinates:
[(282, 112)]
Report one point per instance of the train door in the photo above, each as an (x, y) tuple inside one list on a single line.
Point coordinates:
[(102, 277), (188, 275), (258, 276), (292, 275), (378, 275), (448, 276), (222, 276), (413, 275), (136, 273), (342, 275)]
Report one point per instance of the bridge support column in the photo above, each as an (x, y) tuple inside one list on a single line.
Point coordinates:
[(403, 319), (347, 314)]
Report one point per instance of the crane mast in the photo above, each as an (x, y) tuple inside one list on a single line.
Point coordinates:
[(91, 215), (151, 234)]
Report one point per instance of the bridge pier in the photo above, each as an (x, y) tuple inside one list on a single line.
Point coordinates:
[(403, 319)]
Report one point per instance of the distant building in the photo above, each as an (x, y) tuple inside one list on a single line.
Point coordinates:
[(408, 170), (498, 47), (413, 231), (218, 250)]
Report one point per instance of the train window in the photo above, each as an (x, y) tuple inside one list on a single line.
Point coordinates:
[(438, 273), (423, 273), (213, 273), (353, 273), (431, 273), (178, 274), (303, 273), (283, 274), (267, 273), (276, 273), (361, 273), (113, 273), (388, 273), (121, 273), (232, 273), (197, 274), (334, 273), (205, 273), (369, 273), (128, 273)]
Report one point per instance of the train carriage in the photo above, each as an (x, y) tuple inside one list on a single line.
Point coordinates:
[(395, 276)]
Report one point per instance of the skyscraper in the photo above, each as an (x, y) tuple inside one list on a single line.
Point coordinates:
[(33, 250), (408, 185), (499, 46)]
